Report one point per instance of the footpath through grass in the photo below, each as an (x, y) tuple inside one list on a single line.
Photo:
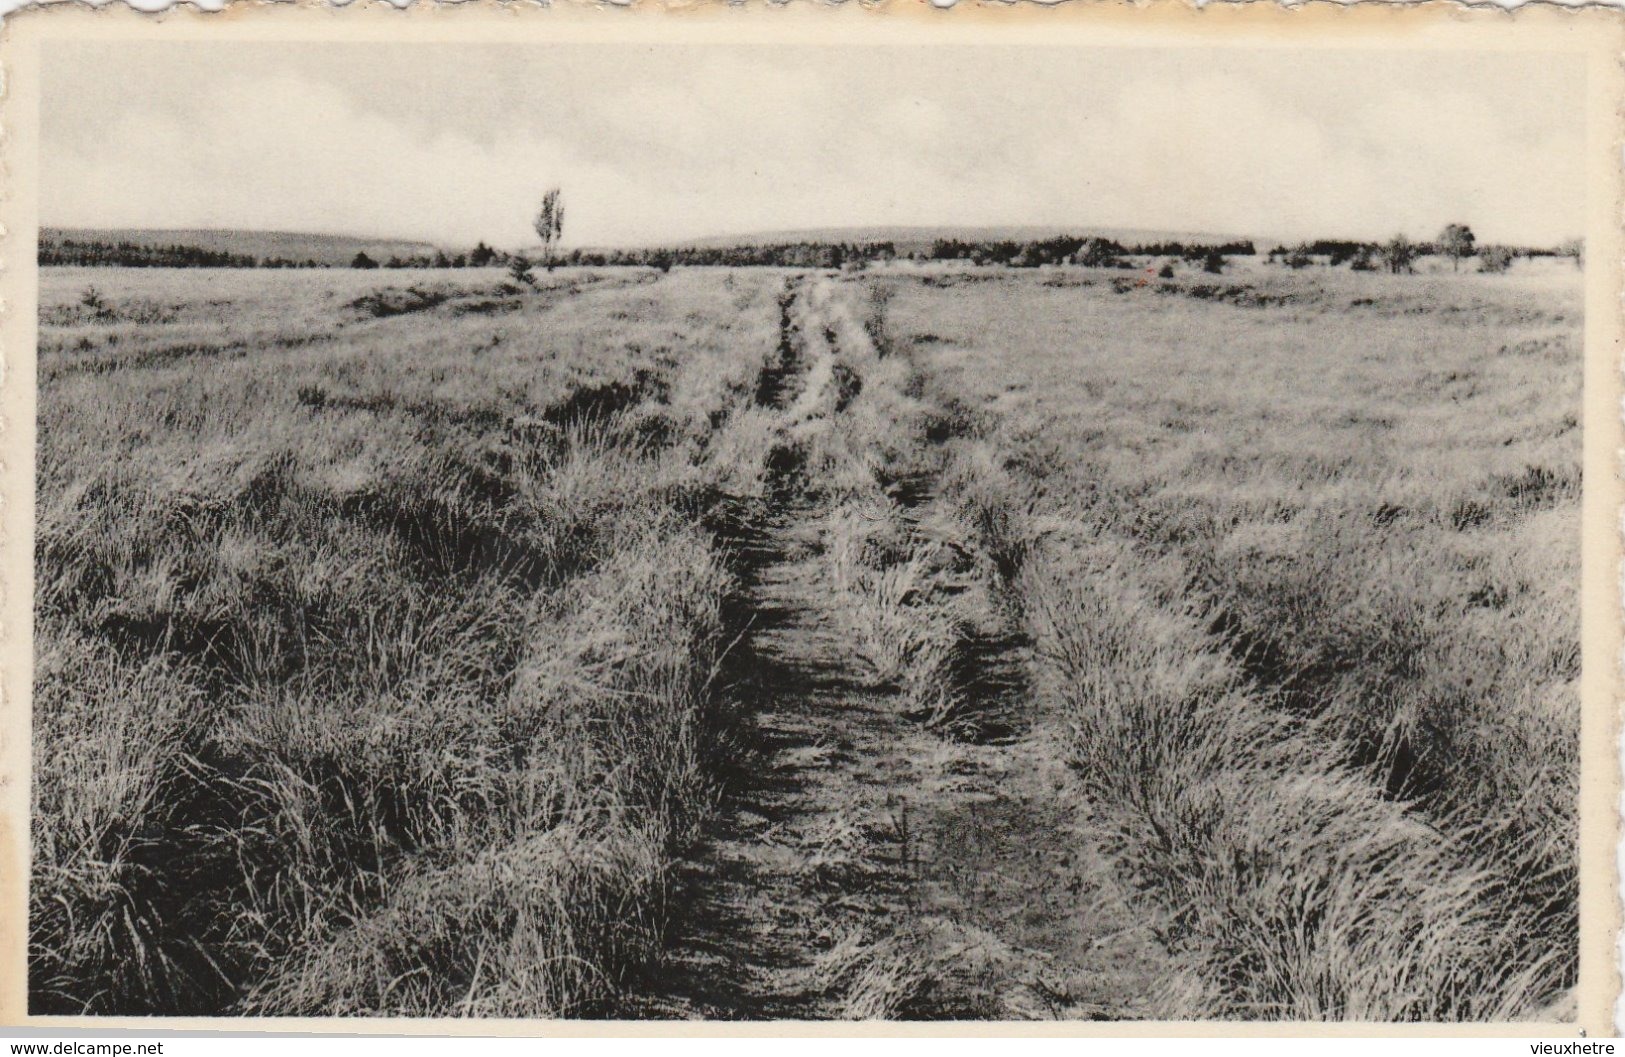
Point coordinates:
[(751, 644), (898, 837)]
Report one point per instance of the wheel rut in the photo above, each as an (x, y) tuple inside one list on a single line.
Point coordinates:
[(860, 865)]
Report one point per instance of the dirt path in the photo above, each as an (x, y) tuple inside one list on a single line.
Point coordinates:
[(860, 865)]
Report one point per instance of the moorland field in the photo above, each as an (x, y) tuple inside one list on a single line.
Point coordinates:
[(926, 642)]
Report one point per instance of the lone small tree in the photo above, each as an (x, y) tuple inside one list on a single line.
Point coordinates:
[(1398, 254), (361, 260), (1456, 242), (519, 269), (549, 223)]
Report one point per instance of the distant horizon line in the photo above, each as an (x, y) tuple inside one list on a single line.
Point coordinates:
[(883, 232)]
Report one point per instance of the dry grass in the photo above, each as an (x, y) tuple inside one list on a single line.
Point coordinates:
[(1301, 554), (864, 425), (377, 659), (1285, 884), (380, 617)]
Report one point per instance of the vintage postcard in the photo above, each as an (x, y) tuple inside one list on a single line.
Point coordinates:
[(1100, 518)]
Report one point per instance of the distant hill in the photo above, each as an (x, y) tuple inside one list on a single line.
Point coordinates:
[(290, 245), (911, 239)]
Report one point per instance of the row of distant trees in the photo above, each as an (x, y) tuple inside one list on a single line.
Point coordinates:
[(790, 254), (127, 254), (1095, 252), (481, 256), (1069, 249), (1399, 255), (124, 254), (784, 254), (781, 254)]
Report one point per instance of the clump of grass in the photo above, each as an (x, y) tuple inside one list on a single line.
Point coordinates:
[(922, 968), (536, 927), (303, 804), (113, 775), (920, 576), (858, 419), (994, 514), (872, 979), (1284, 883), (585, 780), (899, 603), (1466, 705)]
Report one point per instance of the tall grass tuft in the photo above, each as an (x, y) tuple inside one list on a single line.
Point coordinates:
[(1282, 881), (899, 601), (588, 774)]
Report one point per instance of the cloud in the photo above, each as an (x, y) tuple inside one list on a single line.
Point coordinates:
[(459, 144), (285, 152)]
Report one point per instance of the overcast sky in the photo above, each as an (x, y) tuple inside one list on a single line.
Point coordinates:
[(454, 143)]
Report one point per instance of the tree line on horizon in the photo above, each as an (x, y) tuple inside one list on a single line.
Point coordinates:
[(789, 254), (128, 254), (1397, 255)]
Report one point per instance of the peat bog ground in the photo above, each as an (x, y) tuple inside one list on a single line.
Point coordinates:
[(954, 644)]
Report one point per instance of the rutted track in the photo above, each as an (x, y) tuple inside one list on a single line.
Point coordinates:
[(861, 865)]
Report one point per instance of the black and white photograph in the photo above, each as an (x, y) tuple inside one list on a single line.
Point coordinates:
[(938, 526)]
